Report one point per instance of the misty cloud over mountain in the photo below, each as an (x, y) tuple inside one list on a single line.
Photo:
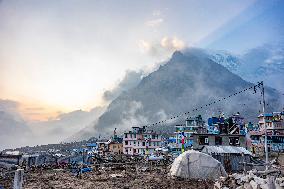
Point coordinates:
[(13, 129), (130, 80), (265, 63), (189, 80), (65, 125)]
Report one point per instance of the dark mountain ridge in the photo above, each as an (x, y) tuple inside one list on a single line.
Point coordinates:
[(189, 80)]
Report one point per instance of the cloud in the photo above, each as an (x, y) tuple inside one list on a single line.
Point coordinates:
[(130, 80), (15, 131), (65, 125), (154, 23), (275, 59), (11, 107), (172, 43), (133, 115), (35, 109), (157, 13), (145, 46), (165, 47)]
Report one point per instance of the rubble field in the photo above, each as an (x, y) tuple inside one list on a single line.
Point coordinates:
[(41, 179)]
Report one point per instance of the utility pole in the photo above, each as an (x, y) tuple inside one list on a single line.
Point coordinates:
[(265, 138)]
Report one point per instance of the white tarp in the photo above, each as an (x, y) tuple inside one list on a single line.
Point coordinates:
[(197, 165)]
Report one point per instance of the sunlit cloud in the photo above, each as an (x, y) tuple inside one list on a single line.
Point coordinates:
[(172, 43), (162, 48)]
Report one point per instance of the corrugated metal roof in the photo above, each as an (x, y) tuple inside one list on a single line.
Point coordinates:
[(225, 150)]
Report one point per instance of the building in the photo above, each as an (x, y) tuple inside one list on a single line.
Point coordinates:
[(91, 147), (10, 160), (230, 156), (256, 142), (233, 125), (115, 145), (102, 146), (140, 141), (222, 132), (215, 123), (274, 122), (191, 126), (209, 139), (115, 148), (275, 130)]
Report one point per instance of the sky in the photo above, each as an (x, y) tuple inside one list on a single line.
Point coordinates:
[(61, 56)]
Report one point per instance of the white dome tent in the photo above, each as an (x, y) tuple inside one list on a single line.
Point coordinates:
[(197, 165)]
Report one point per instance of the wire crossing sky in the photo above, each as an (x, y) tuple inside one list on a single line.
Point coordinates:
[(253, 88)]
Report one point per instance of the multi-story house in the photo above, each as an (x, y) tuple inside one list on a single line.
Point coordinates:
[(232, 125), (191, 126), (210, 139), (274, 123), (115, 147), (222, 132), (141, 141)]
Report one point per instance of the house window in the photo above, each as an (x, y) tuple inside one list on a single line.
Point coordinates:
[(234, 141), (218, 140), (134, 143), (126, 142), (125, 136), (153, 136), (203, 140), (143, 143), (206, 141)]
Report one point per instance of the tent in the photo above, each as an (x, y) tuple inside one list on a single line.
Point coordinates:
[(197, 165)]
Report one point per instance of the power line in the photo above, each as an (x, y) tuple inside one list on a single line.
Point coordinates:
[(254, 87)]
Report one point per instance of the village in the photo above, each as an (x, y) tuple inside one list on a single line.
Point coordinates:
[(107, 94), (230, 152)]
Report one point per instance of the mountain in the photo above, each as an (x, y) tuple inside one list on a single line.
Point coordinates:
[(265, 63), (13, 129), (64, 125), (189, 80)]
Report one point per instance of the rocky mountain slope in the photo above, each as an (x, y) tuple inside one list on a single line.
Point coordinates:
[(189, 80)]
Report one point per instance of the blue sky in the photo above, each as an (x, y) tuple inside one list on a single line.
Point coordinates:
[(261, 23), (58, 56)]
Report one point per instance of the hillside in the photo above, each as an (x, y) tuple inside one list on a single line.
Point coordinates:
[(188, 80)]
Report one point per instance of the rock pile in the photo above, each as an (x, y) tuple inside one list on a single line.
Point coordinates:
[(251, 180)]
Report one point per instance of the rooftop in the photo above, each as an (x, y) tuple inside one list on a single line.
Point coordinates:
[(225, 150)]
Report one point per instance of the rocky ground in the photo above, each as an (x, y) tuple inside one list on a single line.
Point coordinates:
[(6, 180), (109, 179)]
